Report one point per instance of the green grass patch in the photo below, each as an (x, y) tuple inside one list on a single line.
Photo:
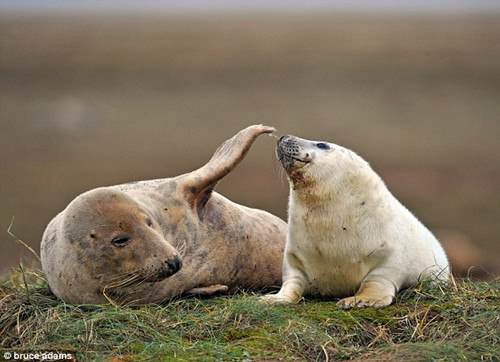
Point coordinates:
[(459, 322)]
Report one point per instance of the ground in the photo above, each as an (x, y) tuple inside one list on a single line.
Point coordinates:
[(455, 322)]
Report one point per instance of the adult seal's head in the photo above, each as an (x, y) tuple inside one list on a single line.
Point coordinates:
[(152, 240), (111, 242)]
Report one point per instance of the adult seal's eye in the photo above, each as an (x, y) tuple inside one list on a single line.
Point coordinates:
[(149, 222), (322, 146), (120, 241)]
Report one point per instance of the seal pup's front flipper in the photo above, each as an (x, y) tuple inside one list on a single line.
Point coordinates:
[(199, 184)]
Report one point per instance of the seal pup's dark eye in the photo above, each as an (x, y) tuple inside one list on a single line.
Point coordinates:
[(120, 241), (149, 222), (323, 146)]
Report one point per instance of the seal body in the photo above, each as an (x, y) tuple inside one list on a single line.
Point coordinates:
[(153, 240), (347, 233)]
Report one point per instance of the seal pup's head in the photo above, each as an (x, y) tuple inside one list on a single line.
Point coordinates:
[(318, 165)]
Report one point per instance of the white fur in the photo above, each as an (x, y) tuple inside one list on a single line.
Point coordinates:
[(348, 233)]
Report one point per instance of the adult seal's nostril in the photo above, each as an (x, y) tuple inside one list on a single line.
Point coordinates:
[(175, 264), (209, 230)]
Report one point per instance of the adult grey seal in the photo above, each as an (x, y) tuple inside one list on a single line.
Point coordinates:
[(347, 233), (153, 240)]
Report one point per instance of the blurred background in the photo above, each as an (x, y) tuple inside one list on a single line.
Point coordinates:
[(96, 93)]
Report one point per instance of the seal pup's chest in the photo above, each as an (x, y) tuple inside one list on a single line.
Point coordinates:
[(335, 251)]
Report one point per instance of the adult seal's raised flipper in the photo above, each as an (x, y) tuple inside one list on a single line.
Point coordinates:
[(198, 185), (153, 240)]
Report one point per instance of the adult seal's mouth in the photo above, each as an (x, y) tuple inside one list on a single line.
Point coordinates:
[(115, 241)]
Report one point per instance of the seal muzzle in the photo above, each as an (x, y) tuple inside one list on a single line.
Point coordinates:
[(288, 152)]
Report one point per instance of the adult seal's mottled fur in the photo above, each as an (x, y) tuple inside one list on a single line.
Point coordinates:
[(347, 233), (153, 240)]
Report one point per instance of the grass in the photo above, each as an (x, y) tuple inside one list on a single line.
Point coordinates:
[(406, 93), (459, 322)]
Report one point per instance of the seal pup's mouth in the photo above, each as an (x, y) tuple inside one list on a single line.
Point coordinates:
[(288, 153)]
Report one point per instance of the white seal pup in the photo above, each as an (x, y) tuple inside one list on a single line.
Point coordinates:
[(347, 234), (153, 240)]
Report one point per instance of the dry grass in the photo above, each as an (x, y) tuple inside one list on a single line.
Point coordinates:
[(459, 322)]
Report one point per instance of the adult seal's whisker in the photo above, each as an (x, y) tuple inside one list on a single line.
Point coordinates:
[(149, 241)]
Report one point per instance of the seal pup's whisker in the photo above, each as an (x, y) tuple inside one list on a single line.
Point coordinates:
[(341, 214), (280, 172)]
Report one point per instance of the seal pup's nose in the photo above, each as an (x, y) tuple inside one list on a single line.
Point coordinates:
[(175, 264), (284, 138), (288, 145)]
